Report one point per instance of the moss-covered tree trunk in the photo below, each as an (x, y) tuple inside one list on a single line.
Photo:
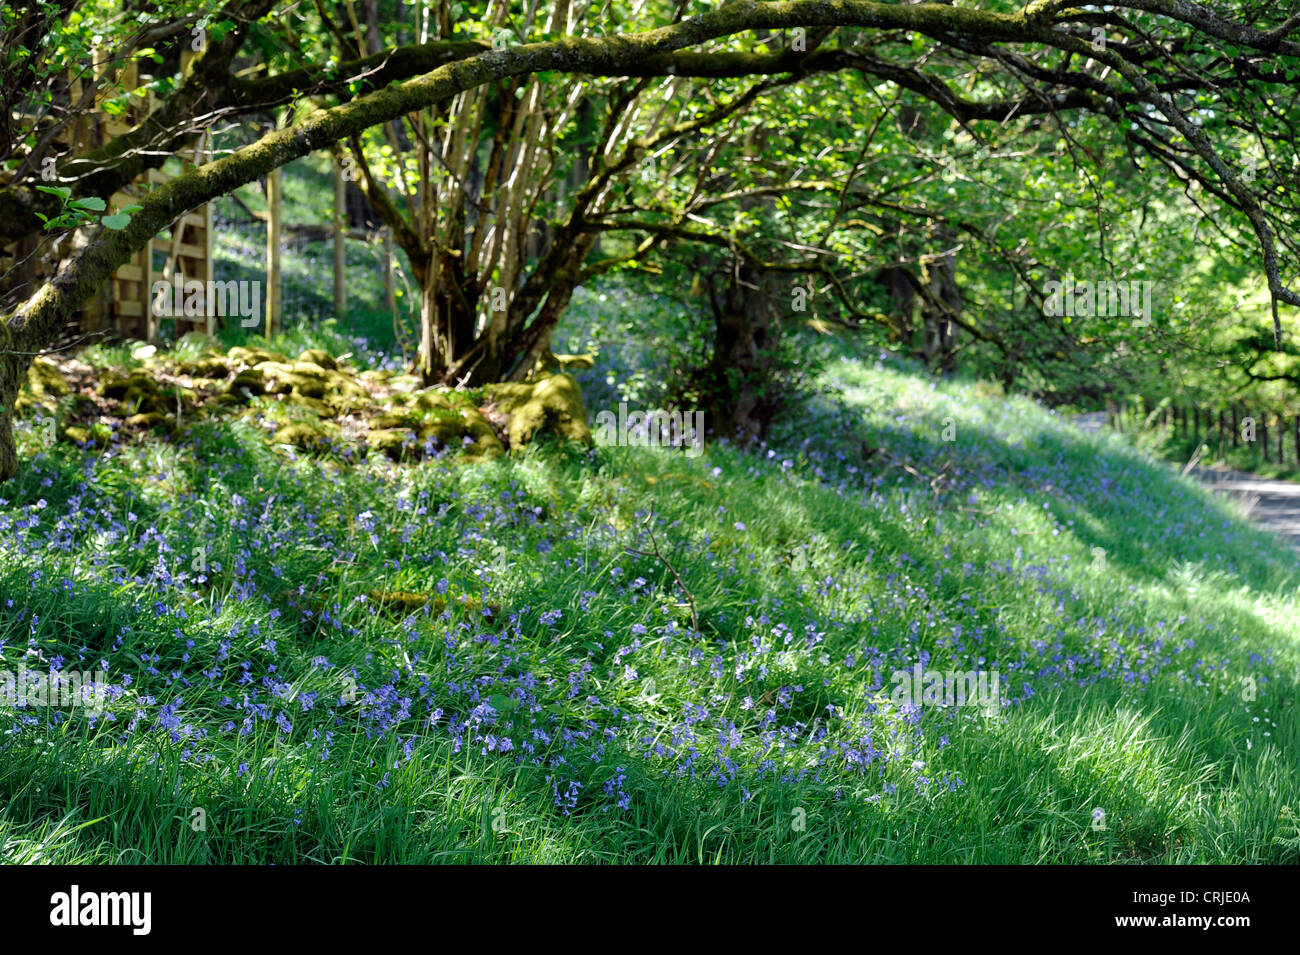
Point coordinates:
[(13, 367)]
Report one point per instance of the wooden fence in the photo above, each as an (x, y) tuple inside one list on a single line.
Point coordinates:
[(121, 305), (1234, 425)]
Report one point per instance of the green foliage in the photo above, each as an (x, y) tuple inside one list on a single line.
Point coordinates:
[(78, 212), (1186, 770)]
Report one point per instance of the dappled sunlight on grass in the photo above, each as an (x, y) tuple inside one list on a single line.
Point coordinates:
[(498, 662)]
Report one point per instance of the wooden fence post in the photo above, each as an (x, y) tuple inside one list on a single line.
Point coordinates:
[(390, 292), (340, 239), (274, 196)]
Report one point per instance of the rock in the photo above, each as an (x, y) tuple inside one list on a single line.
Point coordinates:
[(81, 404), (392, 419), (551, 406), (337, 392), (276, 377), (252, 356), (317, 407), (209, 367), (308, 387), (113, 385), (319, 357), (303, 435), (548, 364), (393, 442), (485, 443), (137, 393), (509, 395), (151, 420), (342, 404), (306, 370), (576, 362), (448, 427), (444, 432), (405, 382), (46, 381), (430, 400), (344, 394), (310, 369), (250, 381)]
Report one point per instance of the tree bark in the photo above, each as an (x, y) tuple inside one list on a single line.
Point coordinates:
[(13, 367), (746, 332)]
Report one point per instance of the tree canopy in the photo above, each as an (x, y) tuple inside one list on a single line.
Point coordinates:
[(874, 157)]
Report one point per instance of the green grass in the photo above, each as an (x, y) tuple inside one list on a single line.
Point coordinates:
[(815, 570), (1246, 456)]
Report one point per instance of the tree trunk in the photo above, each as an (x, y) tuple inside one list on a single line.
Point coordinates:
[(428, 356), (942, 301), (13, 368), (447, 318), (740, 398)]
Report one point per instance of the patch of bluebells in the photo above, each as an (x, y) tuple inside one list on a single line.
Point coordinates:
[(212, 582)]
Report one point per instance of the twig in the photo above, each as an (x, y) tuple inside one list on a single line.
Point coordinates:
[(690, 597)]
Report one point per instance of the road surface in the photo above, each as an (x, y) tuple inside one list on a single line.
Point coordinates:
[(1273, 504)]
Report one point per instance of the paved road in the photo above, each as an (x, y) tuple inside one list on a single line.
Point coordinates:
[(1091, 422), (1274, 504)]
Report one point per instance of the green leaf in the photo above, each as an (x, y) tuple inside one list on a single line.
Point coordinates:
[(93, 203), (116, 222), (63, 192)]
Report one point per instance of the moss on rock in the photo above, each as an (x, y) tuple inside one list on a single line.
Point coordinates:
[(317, 407), (249, 381), (551, 406), (321, 358), (394, 442), (207, 367), (137, 393), (431, 400), (151, 420), (393, 419), (76, 434), (45, 383), (311, 436), (251, 357), (576, 362)]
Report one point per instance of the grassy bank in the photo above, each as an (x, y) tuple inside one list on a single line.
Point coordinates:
[(317, 662)]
